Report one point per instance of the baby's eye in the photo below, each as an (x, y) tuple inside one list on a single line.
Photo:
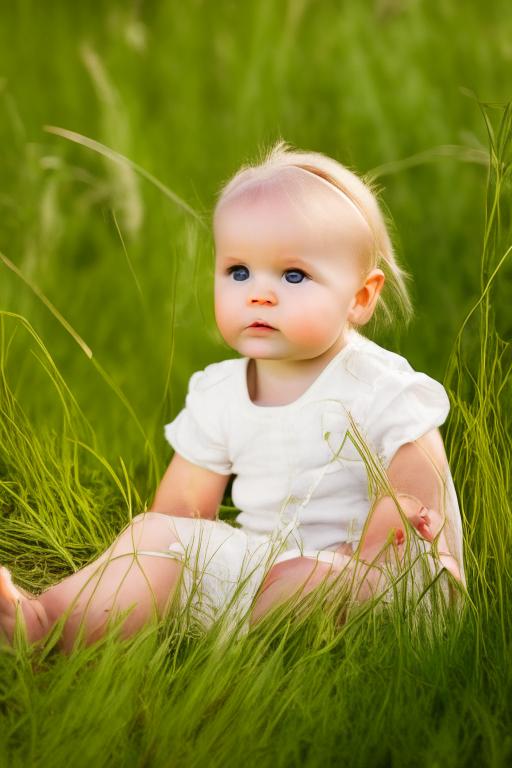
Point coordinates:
[(239, 273), (294, 276)]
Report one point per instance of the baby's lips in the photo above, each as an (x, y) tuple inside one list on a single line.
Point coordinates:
[(261, 325)]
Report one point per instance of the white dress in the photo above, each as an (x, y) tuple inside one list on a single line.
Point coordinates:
[(301, 481)]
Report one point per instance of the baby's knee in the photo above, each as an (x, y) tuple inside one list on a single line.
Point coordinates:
[(152, 521), (298, 572), (383, 519), (151, 529), (386, 512), (148, 517)]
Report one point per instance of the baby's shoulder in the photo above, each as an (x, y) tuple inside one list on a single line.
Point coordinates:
[(370, 364), (388, 387), (215, 378)]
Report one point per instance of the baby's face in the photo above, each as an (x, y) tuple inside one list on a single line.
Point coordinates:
[(274, 268)]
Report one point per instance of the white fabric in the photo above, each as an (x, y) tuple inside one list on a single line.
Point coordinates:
[(223, 568), (294, 473)]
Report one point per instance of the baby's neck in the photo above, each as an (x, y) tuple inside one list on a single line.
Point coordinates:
[(273, 383)]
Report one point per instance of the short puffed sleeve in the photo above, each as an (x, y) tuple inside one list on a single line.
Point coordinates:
[(199, 432), (401, 407)]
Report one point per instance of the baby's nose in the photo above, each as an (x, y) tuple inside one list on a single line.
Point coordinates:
[(261, 297)]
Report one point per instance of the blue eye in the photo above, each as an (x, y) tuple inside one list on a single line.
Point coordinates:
[(239, 273), (294, 276)]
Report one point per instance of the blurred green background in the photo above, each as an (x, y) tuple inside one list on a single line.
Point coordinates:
[(188, 89)]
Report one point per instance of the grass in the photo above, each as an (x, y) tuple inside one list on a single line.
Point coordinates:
[(80, 434)]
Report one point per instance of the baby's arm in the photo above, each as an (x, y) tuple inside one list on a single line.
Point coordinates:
[(187, 490), (416, 474)]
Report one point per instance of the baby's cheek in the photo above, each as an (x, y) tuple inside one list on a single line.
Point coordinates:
[(225, 312), (319, 327), (306, 334)]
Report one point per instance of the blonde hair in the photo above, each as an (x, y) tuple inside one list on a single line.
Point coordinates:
[(274, 169)]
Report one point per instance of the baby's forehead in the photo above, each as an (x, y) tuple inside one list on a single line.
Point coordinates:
[(290, 214), (262, 202)]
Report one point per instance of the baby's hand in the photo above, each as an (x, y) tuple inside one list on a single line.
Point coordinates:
[(428, 522), (386, 521), (421, 521)]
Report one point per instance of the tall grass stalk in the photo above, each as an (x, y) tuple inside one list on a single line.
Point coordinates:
[(479, 379)]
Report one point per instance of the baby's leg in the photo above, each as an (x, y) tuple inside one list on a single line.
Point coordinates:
[(384, 534), (360, 573), (297, 576), (387, 526), (112, 584)]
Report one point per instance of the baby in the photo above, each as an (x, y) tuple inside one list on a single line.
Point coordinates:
[(300, 419)]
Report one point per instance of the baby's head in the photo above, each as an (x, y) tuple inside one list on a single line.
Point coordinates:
[(302, 246)]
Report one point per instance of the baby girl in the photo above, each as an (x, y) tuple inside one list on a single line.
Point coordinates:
[(302, 419)]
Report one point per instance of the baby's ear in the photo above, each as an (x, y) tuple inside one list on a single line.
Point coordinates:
[(365, 300)]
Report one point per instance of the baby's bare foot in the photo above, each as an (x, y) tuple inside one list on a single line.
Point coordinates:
[(428, 523), (14, 601), (423, 524)]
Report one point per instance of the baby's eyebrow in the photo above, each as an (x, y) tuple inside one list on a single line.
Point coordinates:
[(232, 259), (281, 260), (294, 261)]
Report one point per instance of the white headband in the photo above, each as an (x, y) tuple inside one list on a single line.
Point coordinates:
[(336, 189)]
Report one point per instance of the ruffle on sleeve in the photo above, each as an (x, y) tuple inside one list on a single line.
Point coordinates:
[(198, 433), (402, 406)]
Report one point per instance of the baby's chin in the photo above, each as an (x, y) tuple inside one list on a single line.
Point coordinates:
[(267, 347), (272, 349)]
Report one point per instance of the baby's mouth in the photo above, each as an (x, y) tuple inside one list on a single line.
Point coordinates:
[(261, 324)]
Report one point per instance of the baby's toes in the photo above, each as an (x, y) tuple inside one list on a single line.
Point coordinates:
[(399, 543), (9, 599), (15, 601), (7, 589), (424, 524)]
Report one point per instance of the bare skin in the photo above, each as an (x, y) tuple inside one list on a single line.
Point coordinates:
[(305, 288)]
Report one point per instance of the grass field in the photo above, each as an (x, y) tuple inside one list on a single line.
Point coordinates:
[(110, 311)]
